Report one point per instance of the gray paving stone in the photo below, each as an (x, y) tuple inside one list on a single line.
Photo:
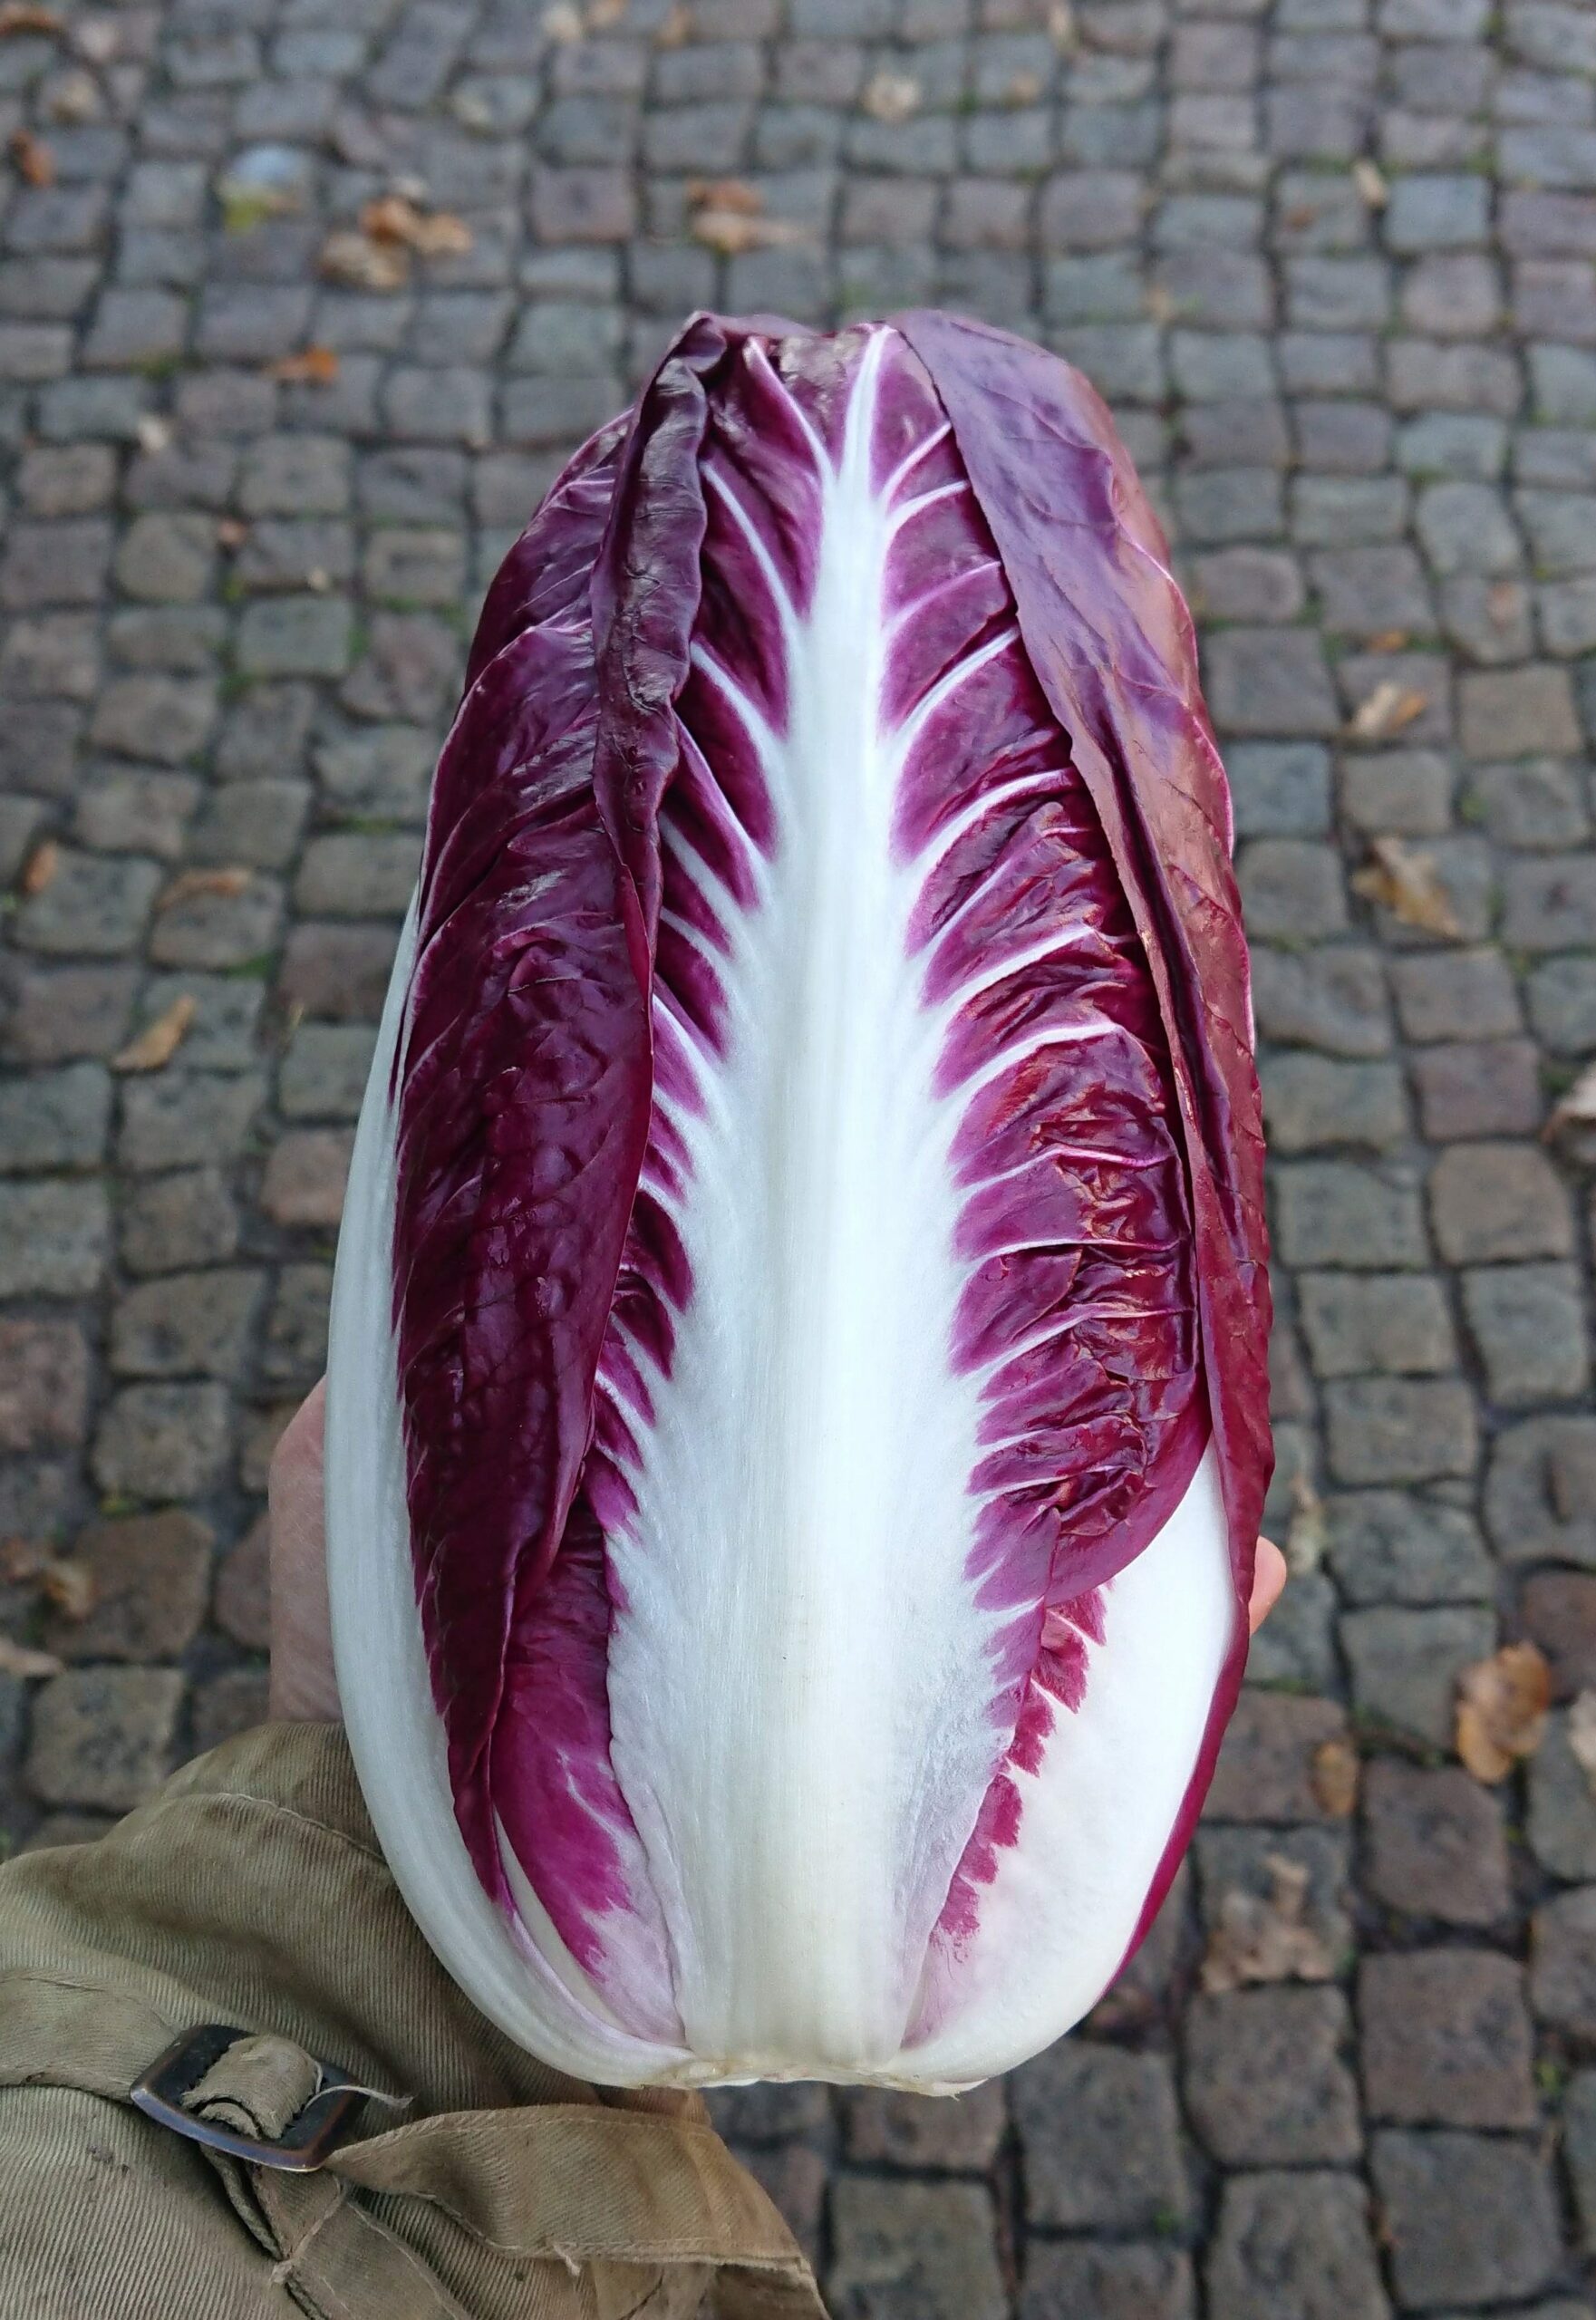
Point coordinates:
[(1445, 2039), (103, 1736), (1562, 1962), (1399, 1429), (1494, 1202), (1402, 1547), (91, 905), (1294, 2246), (1563, 1810), (901, 2251), (1470, 2217), (1266, 2079), (1101, 2139), (1436, 1846), (1528, 1325), (1405, 1664), (55, 1238), (169, 1221), (1107, 2278)]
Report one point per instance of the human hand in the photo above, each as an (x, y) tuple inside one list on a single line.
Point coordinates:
[(1269, 1577), (303, 1687)]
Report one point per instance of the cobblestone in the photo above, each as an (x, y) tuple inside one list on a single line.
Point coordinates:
[(234, 614)]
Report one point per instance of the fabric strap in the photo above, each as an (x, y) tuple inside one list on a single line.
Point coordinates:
[(677, 2217)]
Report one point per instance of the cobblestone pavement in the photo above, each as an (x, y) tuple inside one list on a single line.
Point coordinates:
[(1333, 263)]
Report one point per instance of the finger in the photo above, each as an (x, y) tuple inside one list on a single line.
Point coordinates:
[(1269, 1576), (302, 1683)]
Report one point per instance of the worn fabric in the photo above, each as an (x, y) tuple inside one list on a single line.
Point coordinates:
[(480, 2185)]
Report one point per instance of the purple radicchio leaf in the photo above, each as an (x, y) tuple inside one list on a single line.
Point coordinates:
[(798, 1412)]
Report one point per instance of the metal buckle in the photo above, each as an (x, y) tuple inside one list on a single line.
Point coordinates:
[(309, 2137)]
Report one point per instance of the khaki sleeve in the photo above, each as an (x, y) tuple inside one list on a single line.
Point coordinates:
[(475, 2183)]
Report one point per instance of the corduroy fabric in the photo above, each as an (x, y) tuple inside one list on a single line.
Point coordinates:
[(251, 1892)]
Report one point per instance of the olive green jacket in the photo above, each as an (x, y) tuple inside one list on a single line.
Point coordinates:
[(470, 2183)]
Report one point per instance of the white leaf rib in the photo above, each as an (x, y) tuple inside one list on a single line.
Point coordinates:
[(942, 840), (786, 610), (911, 460), (969, 665), (918, 506)]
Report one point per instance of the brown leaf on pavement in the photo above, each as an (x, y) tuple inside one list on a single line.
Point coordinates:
[(17, 1659), (1406, 885), (1501, 1705), (156, 1045), (1265, 1940), (42, 864), (69, 1586), (396, 220), (33, 161), (313, 366), (1308, 1531), (727, 216), (1387, 710), (891, 96), (183, 888), (1576, 1107), (19, 16), (1333, 1776), (1371, 183), (358, 263)]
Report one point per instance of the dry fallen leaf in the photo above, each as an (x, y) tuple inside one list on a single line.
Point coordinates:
[(1388, 709), (1371, 185), (187, 883), (156, 1045), (891, 97), (19, 17), (1501, 1705), (358, 263), (313, 366), (1333, 1777), (1406, 883), (603, 15), (725, 193), (32, 158), (395, 219), (1299, 215), (69, 1586), (1061, 25), (1576, 1107), (74, 97), (1265, 1940), (98, 39), (1390, 640), (1307, 1533), (42, 864), (231, 532), (1024, 89), (731, 233), (675, 28), (726, 217), (563, 23), (16, 1659)]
